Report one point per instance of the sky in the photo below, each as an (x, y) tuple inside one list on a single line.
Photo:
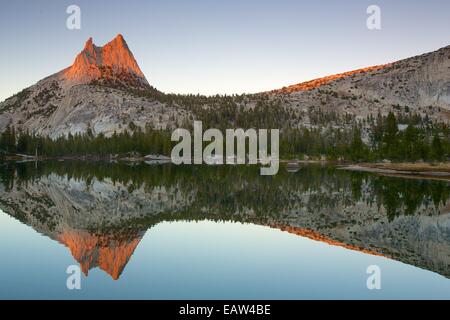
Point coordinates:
[(212, 46)]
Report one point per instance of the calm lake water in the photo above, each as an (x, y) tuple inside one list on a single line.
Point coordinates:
[(149, 231)]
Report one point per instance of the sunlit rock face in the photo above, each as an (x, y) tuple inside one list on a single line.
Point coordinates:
[(114, 61)]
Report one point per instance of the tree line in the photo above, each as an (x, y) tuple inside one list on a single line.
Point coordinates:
[(397, 138), (139, 141)]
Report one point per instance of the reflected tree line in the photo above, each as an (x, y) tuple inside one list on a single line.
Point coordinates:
[(230, 190)]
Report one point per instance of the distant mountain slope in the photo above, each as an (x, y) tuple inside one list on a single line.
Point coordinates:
[(420, 84), (312, 84)]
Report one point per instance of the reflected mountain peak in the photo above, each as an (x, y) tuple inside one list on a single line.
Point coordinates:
[(108, 252)]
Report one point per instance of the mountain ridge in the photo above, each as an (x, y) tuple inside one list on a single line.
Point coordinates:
[(98, 92), (315, 82)]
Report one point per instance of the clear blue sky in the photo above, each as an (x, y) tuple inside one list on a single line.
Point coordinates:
[(231, 46)]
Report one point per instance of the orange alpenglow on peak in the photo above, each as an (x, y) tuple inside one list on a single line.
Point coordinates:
[(112, 61), (104, 251), (315, 83)]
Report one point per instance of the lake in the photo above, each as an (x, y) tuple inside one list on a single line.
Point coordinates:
[(160, 231)]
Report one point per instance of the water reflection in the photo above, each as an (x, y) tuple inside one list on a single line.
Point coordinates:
[(101, 211)]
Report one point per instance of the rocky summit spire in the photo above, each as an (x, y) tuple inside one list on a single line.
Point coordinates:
[(112, 63)]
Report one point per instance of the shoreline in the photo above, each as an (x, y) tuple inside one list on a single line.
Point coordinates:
[(434, 171), (83, 158), (415, 170)]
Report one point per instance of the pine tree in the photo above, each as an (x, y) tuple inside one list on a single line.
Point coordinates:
[(357, 148), (8, 140), (390, 137), (437, 152)]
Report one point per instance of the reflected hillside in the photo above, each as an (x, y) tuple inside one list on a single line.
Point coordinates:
[(101, 211)]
